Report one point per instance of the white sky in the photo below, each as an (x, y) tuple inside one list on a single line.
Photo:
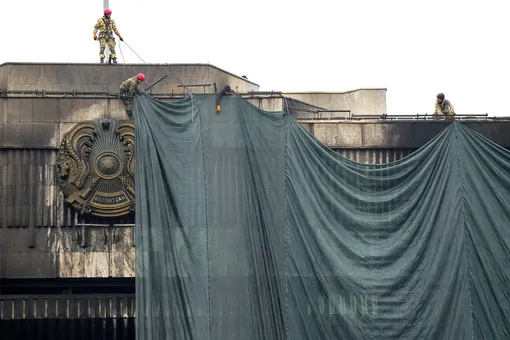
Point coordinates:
[(415, 49)]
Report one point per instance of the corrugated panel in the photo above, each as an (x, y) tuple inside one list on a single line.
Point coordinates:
[(29, 193), (66, 306), (374, 156), (68, 317), (69, 329)]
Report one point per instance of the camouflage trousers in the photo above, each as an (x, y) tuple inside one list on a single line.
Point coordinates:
[(127, 104), (102, 46)]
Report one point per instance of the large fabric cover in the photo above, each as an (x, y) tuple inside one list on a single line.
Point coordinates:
[(248, 228)]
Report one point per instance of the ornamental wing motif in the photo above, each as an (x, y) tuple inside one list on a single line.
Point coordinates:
[(96, 166)]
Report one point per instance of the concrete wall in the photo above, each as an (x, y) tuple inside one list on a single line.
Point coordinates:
[(398, 135), (42, 122), (59, 254), (38, 233), (267, 103), (362, 101), (107, 77)]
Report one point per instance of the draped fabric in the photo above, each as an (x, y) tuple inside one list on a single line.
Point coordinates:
[(248, 228)]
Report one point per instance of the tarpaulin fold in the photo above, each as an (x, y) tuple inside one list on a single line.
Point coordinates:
[(247, 227)]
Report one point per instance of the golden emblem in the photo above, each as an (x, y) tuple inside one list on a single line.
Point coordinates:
[(96, 167)]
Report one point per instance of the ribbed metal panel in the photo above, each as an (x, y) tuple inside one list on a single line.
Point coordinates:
[(66, 306), (374, 156), (68, 317), (29, 193)]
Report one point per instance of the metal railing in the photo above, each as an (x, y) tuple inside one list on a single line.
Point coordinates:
[(392, 118), (250, 94)]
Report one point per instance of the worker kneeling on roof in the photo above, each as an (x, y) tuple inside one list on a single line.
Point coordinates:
[(443, 107), (106, 27), (128, 89), (227, 91)]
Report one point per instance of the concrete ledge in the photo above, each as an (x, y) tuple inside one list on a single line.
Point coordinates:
[(107, 77), (399, 135)]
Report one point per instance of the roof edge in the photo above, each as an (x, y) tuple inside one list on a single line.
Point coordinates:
[(337, 92)]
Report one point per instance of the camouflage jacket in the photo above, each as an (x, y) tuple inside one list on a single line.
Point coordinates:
[(106, 27), (130, 86), (445, 108)]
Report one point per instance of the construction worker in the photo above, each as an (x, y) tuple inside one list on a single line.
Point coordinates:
[(443, 107), (227, 91), (128, 89), (106, 27)]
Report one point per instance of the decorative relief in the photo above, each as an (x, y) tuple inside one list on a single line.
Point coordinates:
[(96, 167)]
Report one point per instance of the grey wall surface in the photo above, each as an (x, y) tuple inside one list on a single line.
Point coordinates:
[(361, 101), (107, 77), (398, 135), (42, 122)]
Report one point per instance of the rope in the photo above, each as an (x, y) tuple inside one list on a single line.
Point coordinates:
[(123, 62), (148, 75), (164, 70), (134, 52)]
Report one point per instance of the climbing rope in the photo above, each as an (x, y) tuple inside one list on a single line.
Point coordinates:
[(123, 62), (164, 70), (192, 97)]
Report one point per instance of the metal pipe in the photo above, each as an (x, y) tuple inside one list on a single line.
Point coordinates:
[(78, 93), (91, 225), (83, 238), (180, 96), (194, 85), (302, 110), (264, 92), (333, 110), (147, 88)]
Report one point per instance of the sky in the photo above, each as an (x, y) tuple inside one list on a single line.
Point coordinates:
[(414, 49)]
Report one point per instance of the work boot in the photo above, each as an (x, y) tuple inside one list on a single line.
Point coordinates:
[(101, 61), (114, 60)]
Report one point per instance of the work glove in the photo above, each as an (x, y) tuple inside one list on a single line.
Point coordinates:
[(218, 108), (95, 37)]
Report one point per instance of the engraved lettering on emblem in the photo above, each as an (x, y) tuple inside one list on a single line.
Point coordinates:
[(110, 200)]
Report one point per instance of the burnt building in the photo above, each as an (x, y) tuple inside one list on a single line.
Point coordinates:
[(67, 164)]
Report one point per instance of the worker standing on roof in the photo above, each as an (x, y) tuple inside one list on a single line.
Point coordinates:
[(106, 27), (443, 107), (128, 89), (227, 91)]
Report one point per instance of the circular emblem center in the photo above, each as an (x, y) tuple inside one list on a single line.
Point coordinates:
[(108, 165)]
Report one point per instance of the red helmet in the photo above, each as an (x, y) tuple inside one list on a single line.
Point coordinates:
[(141, 77), (107, 11)]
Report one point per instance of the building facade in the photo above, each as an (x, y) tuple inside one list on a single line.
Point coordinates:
[(67, 242)]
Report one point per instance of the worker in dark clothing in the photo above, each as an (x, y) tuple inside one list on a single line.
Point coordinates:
[(227, 91), (128, 89)]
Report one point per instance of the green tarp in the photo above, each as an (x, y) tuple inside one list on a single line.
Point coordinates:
[(248, 228)]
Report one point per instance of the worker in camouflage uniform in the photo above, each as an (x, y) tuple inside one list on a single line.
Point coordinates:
[(443, 108), (106, 26), (128, 89)]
